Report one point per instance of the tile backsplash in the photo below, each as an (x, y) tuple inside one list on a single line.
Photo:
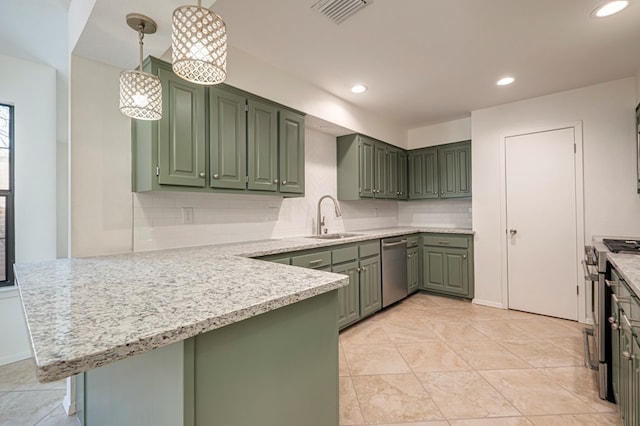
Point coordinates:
[(159, 218), (436, 213)]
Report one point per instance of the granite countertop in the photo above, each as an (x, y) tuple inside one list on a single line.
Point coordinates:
[(628, 266), (88, 312)]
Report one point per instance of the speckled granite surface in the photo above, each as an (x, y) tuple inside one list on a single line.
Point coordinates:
[(628, 265), (85, 313)]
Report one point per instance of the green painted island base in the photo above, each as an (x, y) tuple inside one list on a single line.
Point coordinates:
[(276, 369)]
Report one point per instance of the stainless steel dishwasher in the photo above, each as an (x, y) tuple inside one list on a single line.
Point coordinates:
[(394, 270)]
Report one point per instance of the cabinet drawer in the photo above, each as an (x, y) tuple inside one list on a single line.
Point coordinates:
[(313, 260), (345, 254), (285, 260), (412, 240), (370, 249), (442, 240)]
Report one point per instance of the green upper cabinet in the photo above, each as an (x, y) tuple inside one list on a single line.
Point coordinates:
[(442, 171), (391, 168), (227, 140), (218, 139), (380, 170), (262, 146), (403, 175), (423, 173), (291, 139), (455, 170), (368, 168), (181, 133)]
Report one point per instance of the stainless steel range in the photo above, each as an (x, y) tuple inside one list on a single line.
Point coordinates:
[(597, 269)]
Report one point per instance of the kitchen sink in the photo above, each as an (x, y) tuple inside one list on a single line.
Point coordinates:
[(336, 236)]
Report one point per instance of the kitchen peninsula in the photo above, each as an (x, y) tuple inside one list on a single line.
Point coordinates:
[(194, 335)]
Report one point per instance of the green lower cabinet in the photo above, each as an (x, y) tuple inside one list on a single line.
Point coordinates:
[(447, 264), (615, 351), (635, 380), (413, 269), (370, 286), (349, 296)]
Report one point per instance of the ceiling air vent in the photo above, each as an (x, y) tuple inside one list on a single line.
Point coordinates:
[(339, 10)]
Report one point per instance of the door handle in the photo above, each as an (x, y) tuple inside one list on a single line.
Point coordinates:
[(398, 243), (513, 232)]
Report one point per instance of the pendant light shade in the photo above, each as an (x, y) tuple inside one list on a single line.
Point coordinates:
[(199, 44), (140, 92)]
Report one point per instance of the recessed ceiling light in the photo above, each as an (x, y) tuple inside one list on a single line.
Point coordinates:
[(609, 8), (505, 81), (359, 88)]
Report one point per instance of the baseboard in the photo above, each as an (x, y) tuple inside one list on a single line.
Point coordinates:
[(15, 357), (488, 303)]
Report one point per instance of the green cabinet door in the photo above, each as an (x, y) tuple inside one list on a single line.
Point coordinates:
[(615, 350), (446, 270), (423, 173), (181, 133), (455, 170), (370, 286), (403, 183), (391, 169), (626, 339), (413, 270), (262, 146), (367, 167), (380, 170), (227, 139), (349, 296), (291, 131), (635, 381)]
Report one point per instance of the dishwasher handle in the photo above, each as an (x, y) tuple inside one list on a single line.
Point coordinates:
[(397, 243)]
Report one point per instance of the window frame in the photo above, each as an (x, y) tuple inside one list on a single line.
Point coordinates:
[(9, 206)]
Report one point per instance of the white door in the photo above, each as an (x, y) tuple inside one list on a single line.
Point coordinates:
[(541, 223)]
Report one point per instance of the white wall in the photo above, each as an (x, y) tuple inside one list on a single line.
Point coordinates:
[(101, 204), (436, 134), (638, 88), (44, 40), (612, 206), (31, 88), (222, 218)]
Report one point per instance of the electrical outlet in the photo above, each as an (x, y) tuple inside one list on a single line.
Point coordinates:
[(187, 215)]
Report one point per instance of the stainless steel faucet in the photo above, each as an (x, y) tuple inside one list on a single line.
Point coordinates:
[(320, 222)]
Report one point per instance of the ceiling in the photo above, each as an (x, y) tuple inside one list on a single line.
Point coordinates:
[(424, 61)]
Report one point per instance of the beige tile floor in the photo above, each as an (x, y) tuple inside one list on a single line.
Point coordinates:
[(427, 361), (432, 361), (25, 401)]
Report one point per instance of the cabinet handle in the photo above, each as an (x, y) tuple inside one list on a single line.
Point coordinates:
[(409, 256), (442, 192), (610, 283), (363, 269), (202, 174), (464, 256), (626, 355), (315, 262), (216, 176), (284, 182), (358, 269), (275, 181)]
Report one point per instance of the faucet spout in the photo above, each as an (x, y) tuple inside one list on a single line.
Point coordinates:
[(319, 218)]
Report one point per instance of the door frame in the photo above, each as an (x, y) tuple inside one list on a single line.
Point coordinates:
[(584, 297)]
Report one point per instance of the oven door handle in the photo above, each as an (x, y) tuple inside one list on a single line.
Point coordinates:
[(587, 274)]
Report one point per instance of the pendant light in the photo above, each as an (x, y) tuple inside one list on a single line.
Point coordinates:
[(199, 45), (140, 92)]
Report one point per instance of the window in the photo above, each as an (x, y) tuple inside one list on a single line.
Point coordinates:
[(6, 195)]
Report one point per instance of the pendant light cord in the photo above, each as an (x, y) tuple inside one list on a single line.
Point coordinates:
[(140, 38)]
